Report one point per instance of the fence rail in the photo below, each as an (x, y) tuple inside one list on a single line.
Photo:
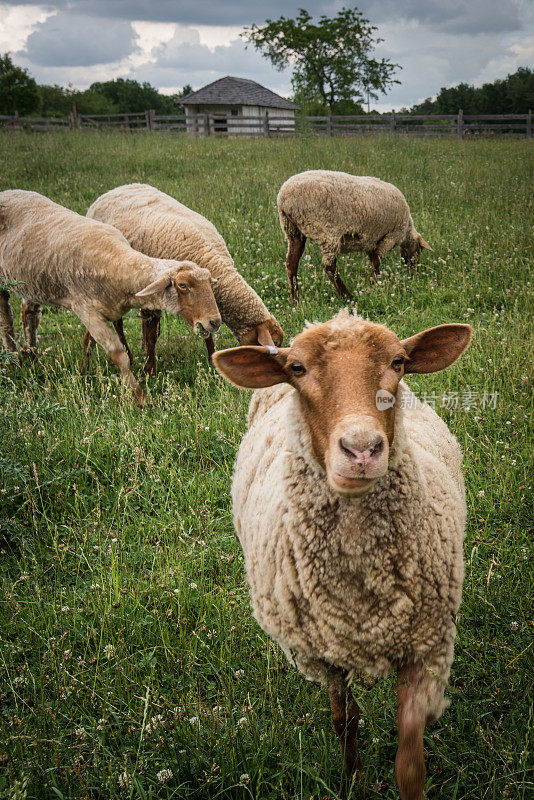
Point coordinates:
[(458, 125)]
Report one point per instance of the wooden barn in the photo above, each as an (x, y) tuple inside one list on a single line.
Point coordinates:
[(237, 105)]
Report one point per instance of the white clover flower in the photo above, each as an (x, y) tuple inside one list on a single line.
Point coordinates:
[(64, 609), (80, 731), (239, 672), (242, 722), (375, 740), (481, 493), (244, 779), (514, 626), (194, 720), (124, 780), (108, 650), (164, 775), (67, 654), (193, 586)]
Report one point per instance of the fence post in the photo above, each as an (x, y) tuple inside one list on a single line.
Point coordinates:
[(150, 121), (266, 124), (329, 127), (529, 124), (392, 123), (207, 125), (460, 123)]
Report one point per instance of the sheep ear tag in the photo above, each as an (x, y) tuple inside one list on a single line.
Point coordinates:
[(252, 367)]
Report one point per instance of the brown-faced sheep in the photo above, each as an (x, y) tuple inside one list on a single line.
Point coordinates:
[(160, 226), (344, 213), (348, 501)]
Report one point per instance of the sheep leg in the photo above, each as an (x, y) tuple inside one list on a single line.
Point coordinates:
[(411, 718), (31, 317), (345, 717), (7, 331), (88, 344), (295, 249), (375, 261), (151, 330), (330, 267), (210, 346), (109, 340), (119, 327)]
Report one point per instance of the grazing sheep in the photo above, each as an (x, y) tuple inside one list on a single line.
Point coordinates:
[(57, 257), (343, 213), (160, 226), (349, 504)]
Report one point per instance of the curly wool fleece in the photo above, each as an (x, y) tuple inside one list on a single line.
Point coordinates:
[(362, 584), (343, 213)]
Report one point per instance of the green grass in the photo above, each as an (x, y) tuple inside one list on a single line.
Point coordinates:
[(127, 643)]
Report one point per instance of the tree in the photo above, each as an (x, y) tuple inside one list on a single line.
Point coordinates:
[(511, 95), (331, 59), (18, 90), (129, 96)]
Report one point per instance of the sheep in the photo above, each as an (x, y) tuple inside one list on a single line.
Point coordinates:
[(349, 504), (56, 257), (157, 224), (344, 213)]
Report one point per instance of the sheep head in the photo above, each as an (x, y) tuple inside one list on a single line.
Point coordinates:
[(346, 372), (412, 246), (186, 289)]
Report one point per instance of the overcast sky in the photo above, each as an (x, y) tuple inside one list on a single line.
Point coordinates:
[(174, 42)]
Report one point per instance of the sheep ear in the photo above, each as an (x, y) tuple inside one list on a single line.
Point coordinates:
[(252, 367), (424, 244), (157, 286), (436, 348), (264, 335)]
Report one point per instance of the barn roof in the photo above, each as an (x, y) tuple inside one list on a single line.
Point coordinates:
[(236, 91)]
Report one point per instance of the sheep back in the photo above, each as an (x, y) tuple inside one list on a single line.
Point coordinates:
[(342, 212), (57, 254)]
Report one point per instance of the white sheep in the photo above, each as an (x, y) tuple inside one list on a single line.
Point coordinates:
[(54, 256), (344, 213), (349, 504), (160, 226)]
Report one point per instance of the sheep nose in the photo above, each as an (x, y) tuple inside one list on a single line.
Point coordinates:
[(363, 450), (215, 324)]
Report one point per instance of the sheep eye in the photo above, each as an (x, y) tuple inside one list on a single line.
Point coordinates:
[(297, 368), (397, 362), (183, 287)]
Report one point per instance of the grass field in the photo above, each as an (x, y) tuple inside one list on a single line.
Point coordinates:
[(131, 666)]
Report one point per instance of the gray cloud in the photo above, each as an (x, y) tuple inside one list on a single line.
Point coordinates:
[(437, 42), (453, 16), (69, 40)]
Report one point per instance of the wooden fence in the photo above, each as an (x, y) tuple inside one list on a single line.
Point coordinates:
[(458, 125)]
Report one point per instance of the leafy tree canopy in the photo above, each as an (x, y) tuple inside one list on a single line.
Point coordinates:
[(511, 95), (332, 59), (128, 95), (18, 90)]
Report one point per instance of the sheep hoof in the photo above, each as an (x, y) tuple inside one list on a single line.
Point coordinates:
[(140, 398)]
